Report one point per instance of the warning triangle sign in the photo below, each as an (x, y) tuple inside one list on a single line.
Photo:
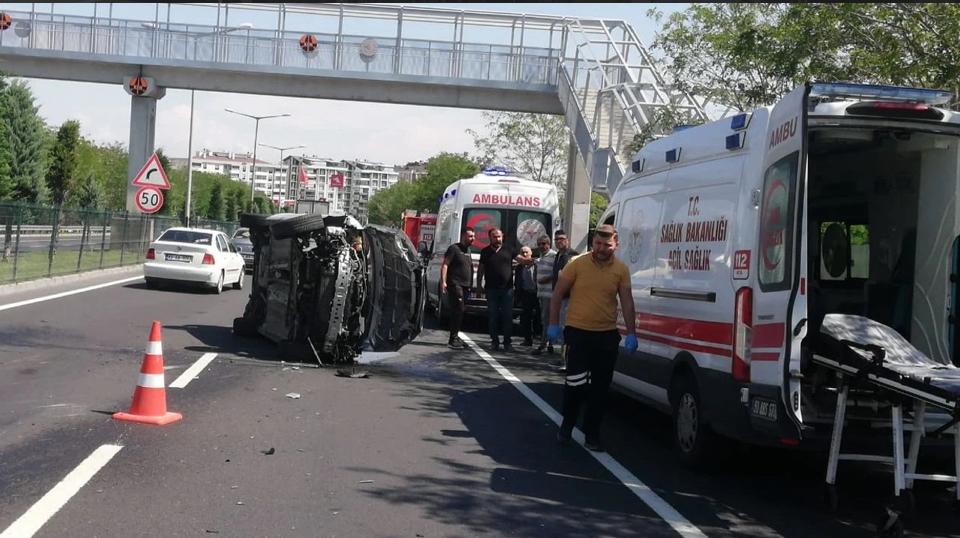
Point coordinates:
[(152, 174)]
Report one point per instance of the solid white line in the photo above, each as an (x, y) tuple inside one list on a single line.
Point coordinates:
[(641, 490), (48, 505), (66, 293), (192, 372)]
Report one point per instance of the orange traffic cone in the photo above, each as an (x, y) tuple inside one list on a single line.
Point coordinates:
[(150, 398)]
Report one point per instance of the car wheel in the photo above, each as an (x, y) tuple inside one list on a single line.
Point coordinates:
[(219, 288), (152, 283), (691, 435), (238, 285), (285, 229), (253, 220)]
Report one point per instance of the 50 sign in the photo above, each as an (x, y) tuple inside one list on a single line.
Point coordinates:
[(149, 199)]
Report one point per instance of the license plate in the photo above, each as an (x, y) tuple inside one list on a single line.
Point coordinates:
[(179, 258), (763, 408)]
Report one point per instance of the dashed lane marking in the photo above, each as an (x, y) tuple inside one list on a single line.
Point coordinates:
[(638, 488), (30, 522), (190, 373), (67, 293)]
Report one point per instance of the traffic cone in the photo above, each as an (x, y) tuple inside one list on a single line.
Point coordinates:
[(150, 397)]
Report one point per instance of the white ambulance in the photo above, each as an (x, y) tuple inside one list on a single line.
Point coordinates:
[(743, 233), (523, 209)]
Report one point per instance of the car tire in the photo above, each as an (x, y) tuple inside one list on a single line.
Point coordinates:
[(288, 228), (152, 283), (692, 437), (244, 327), (253, 220), (218, 289), (238, 285)]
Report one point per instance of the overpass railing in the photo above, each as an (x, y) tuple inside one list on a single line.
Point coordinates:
[(202, 44), (44, 241)]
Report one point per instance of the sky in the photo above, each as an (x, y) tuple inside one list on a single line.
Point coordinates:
[(387, 133)]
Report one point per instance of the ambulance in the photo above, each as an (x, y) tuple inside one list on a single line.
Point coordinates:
[(523, 209), (743, 233)]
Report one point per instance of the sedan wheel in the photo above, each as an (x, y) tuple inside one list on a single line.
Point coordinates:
[(238, 285), (219, 289)]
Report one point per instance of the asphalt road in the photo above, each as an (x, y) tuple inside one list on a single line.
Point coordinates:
[(434, 443)]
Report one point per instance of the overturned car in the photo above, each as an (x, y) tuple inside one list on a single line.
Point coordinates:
[(326, 288)]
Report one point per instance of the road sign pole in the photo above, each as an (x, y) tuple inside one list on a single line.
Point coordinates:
[(253, 176), (190, 160)]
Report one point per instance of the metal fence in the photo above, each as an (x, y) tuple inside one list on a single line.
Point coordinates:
[(44, 241)]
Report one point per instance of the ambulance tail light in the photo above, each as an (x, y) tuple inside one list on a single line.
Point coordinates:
[(894, 109), (208, 259), (742, 334), (151, 254)]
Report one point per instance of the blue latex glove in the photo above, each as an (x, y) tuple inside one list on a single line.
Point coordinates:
[(554, 332), (630, 342)]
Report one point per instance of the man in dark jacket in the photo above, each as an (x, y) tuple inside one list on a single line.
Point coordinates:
[(456, 275), (525, 282)]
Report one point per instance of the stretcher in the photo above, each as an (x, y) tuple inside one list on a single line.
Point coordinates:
[(877, 362)]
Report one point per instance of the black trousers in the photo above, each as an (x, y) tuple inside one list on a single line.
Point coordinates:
[(529, 313), (591, 357), (456, 305)]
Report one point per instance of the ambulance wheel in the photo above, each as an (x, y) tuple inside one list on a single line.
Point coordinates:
[(691, 435), (832, 498)]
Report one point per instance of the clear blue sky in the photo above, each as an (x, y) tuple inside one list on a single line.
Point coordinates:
[(338, 129)]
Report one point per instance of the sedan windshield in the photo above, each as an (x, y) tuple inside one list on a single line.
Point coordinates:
[(186, 236)]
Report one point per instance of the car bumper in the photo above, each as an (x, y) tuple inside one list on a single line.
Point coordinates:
[(206, 274)]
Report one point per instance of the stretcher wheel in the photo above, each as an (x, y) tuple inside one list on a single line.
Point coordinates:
[(907, 503), (890, 525), (832, 497)]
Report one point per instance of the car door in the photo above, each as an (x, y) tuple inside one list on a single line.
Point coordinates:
[(228, 257)]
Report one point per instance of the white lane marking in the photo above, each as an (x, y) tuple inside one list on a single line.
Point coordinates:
[(192, 372), (48, 505), (67, 293), (638, 488)]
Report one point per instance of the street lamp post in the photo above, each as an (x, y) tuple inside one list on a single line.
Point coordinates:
[(256, 134), (282, 150)]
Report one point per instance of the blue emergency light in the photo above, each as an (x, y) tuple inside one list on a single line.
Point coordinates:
[(886, 93), (496, 171)]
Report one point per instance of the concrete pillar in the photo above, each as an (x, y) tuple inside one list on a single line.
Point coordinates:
[(143, 119), (576, 217)]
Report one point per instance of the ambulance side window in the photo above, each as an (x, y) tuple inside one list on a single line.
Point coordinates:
[(775, 257)]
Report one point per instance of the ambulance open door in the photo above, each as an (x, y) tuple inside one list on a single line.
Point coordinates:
[(779, 302)]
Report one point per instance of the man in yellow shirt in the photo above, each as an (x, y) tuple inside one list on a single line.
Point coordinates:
[(594, 282)]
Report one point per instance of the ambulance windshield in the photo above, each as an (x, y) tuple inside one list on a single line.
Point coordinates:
[(520, 227)]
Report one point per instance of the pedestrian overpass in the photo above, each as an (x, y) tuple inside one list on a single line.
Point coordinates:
[(595, 72)]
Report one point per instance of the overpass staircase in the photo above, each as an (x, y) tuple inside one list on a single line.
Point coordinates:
[(611, 89)]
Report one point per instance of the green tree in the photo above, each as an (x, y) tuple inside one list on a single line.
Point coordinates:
[(88, 194), (230, 206), (386, 206), (25, 131), (533, 145), (6, 149), (598, 204), (744, 55), (215, 207), (239, 201), (61, 173)]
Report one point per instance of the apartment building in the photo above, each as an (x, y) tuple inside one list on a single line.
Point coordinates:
[(346, 184)]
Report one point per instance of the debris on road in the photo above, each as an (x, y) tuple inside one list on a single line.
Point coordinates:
[(269, 452), (293, 395), (366, 482)]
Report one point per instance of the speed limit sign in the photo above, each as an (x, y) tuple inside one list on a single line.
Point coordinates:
[(149, 199)]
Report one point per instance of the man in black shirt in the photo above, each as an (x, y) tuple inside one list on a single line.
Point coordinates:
[(564, 255), (497, 263), (456, 274)]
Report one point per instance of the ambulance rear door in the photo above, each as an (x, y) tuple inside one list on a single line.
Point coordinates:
[(779, 305)]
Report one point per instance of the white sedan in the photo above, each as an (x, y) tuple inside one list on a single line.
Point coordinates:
[(196, 256)]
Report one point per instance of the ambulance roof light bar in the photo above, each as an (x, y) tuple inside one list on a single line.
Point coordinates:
[(840, 90), (496, 171)]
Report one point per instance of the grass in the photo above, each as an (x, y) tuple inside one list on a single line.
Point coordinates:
[(33, 265)]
